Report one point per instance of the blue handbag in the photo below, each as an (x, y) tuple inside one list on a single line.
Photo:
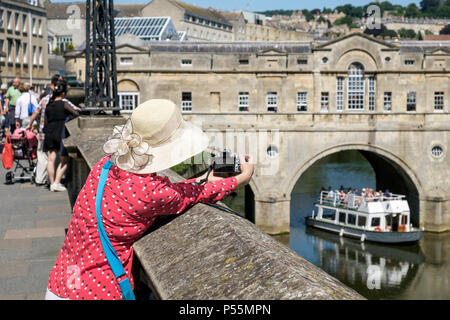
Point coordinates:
[(110, 253), (31, 107)]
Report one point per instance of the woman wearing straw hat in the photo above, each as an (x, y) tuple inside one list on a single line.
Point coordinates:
[(122, 197)]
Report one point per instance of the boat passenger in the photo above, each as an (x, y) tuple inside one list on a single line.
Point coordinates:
[(387, 194)]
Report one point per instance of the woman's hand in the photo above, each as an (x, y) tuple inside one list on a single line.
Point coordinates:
[(247, 168)]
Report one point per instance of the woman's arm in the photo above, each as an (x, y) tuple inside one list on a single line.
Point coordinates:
[(173, 198), (71, 110)]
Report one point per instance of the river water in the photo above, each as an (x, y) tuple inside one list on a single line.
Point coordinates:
[(419, 271)]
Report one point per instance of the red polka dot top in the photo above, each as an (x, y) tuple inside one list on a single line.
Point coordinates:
[(130, 205)]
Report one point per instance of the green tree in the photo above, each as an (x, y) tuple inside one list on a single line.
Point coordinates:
[(348, 20), (427, 4), (407, 33), (445, 30), (412, 11), (70, 47), (56, 51)]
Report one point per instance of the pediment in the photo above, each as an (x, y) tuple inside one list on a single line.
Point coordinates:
[(362, 38), (271, 52), (128, 48), (438, 52)]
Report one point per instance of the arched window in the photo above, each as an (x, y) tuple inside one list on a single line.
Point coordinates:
[(355, 87)]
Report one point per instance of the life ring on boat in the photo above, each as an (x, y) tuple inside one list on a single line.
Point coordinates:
[(377, 229)]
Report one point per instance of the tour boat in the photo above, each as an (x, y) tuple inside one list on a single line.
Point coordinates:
[(384, 219)]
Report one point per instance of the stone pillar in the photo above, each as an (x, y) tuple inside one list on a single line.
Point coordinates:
[(435, 214), (272, 214)]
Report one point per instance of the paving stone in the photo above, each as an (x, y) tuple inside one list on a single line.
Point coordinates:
[(20, 296), (14, 269), (58, 208), (34, 233), (15, 244), (53, 223)]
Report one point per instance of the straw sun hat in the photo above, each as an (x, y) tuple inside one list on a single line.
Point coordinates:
[(154, 138)]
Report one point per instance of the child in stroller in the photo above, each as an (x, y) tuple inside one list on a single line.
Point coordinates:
[(24, 144)]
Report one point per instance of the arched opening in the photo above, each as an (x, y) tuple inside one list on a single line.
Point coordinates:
[(351, 261), (129, 97), (355, 168)]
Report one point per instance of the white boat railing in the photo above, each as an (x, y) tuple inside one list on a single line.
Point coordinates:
[(351, 200)]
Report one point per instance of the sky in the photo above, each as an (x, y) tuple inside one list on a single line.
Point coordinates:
[(261, 5)]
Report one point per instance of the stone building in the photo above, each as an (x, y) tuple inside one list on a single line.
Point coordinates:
[(23, 39), (199, 23), (389, 100), (67, 21)]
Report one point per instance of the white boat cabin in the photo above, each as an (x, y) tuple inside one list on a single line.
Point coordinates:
[(384, 214)]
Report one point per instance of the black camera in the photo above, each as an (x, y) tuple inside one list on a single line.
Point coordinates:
[(226, 164)]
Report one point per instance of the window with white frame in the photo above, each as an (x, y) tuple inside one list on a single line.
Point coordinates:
[(372, 89), (1, 49), (16, 21), (439, 101), (272, 101), (186, 101), (126, 61), (243, 101), (24, 52), (186, 62), (128, 101), (355, 87), (40, 27), (325, 102), (18, 51), (340, 94), (41, 62), (34, 55), (387, 101), (10, 53), (24, 23), (1, 18), (302, 101), (411, 101), (62, 42), (33, 25), (8, 20)]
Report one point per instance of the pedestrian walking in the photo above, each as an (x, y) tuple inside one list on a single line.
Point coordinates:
[(56, 114)]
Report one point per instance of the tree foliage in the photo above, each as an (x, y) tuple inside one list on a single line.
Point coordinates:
[(427, 9)]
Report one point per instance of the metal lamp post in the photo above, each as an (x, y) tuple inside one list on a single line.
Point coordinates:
[(101, 75)]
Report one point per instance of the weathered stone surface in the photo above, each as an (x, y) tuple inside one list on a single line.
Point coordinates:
[(210, 254)]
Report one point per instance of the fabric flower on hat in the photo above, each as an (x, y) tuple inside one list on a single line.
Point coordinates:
[(127, 148)]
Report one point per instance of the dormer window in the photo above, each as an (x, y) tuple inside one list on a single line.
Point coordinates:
[(409, 62), (302, 61)]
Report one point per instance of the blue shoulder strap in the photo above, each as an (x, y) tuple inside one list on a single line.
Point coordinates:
[(111, 255)]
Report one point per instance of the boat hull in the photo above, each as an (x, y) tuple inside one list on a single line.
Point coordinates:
[(381, 237)]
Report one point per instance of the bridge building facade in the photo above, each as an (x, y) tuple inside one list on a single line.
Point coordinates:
[(302, 101)]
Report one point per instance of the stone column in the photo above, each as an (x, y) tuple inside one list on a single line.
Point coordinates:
[(435, 214), (272, 214)]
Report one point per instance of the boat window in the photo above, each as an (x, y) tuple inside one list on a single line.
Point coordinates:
[(351, 219), (361, 221), (375, 222), (328, 214), (388, 220), (342, 217), (403, 219)]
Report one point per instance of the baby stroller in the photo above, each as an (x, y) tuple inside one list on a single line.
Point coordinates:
[(24, 149)]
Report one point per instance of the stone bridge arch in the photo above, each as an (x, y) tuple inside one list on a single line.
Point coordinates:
[(390, 170)]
